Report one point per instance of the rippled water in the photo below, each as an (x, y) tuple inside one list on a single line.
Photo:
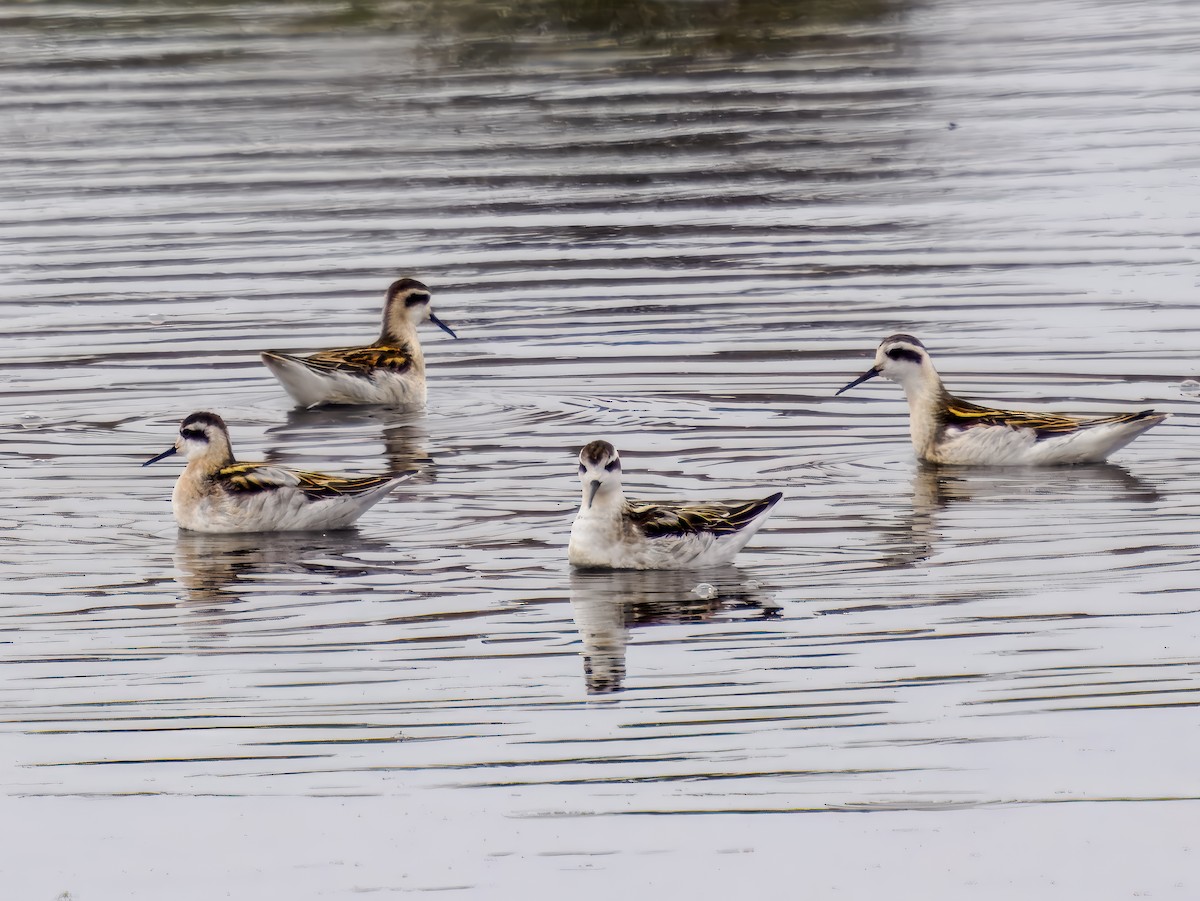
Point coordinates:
[(682, 234)]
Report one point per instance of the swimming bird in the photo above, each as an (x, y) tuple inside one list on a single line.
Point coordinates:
[(215, 493), (390, 372), (946, 429), (611, 532)]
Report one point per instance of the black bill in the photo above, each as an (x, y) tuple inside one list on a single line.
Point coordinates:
[(869, 374), (445, 328), (162, 456)]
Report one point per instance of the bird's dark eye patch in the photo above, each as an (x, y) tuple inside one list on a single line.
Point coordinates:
[(614, 465), (582, 468), (904, 353), (416, 298), (193, 434)]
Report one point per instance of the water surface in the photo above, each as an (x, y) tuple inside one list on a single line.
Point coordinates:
[(682, 233)]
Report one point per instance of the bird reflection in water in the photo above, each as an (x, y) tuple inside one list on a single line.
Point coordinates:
[(404, 436), (914, 537), (217, 572), (606, 604)]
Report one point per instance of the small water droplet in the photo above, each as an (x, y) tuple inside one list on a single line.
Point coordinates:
[(1189, 386), (752, 584), (156, 319), (705, 590), (29, 420)]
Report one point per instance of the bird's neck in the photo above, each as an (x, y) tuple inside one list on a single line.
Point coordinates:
[(218, 456), (400, 333), (927, 399), (609, 502), (925, 388)]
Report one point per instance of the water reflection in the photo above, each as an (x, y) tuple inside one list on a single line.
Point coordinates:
[(498, 30), (479, 33), (937, 487), (606, 605), (914, 538), (217, 572), (404, 436)]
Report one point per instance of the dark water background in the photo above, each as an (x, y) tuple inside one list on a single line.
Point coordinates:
[(677, 226)]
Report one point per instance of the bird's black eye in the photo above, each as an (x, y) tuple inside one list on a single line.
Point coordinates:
[(193, 434), (416, 298), (615, 464), (582, 468), (904, 353)]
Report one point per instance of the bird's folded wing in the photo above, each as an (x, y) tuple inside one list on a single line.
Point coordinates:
[(251, 478), (319, 485), (361, 361), (662, 520), (965, 415)]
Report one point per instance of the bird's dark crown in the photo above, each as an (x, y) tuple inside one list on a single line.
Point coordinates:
[(903, 339), (597, 453), (201, 421), (410, 289)]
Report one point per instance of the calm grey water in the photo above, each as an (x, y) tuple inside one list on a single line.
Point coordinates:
[(681, 233)]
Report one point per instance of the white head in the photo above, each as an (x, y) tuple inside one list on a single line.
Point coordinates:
[(600, 473), (406, 307), (903, 359), (202, 436)]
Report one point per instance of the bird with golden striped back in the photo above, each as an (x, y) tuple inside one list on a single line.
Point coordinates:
[(611, 532), (218, 494), (947, 429), (389, 372)]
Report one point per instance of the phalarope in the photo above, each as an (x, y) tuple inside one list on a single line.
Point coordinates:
[(611, 532), (946, 429), (391, 371), (215, 493)]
